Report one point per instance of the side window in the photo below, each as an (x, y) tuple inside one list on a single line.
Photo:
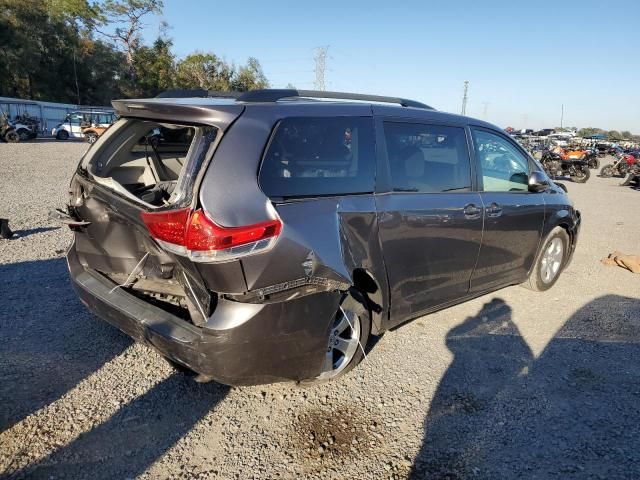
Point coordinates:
[(504, 168), (427, 158), (319, 156)]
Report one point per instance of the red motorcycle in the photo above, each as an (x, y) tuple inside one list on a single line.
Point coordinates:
[(620, 167)]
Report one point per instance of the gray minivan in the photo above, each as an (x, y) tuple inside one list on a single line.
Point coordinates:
[(266, 235)]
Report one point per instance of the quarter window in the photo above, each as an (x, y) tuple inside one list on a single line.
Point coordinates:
[(320, 156), (427, 158), (504, 168)]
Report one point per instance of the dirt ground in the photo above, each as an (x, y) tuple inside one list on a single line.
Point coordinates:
[(514, 384)]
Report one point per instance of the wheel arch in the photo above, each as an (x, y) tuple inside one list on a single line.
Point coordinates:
[(366, 284)]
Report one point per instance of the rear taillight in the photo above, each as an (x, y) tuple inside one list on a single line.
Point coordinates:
[(193, 234)]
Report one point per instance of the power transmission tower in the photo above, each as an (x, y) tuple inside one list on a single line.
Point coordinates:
[(321, 63), (464, 97)]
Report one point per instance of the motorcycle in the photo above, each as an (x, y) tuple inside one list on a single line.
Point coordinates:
[(589, 156), (555, 165), (7, 130), (620, 167), (633, 175)]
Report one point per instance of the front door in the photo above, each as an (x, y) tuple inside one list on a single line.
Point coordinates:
[(430, 220), (513, 216)]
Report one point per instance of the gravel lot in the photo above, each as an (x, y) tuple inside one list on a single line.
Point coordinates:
[(512, 384)]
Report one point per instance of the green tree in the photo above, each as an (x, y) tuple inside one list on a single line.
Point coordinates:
[(613, 135), (204, 70), (155, 68), (249, 77), (587, 132), (127, 17), (90, 52)]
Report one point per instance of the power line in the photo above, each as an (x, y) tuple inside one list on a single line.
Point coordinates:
[(464, 97), (321, 64)]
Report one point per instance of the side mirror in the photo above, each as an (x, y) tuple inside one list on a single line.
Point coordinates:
[(538, 182)]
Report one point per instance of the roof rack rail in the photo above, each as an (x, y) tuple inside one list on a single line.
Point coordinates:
[(196, 92), (273, 95)]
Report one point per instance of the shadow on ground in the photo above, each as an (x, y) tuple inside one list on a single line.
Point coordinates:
[(32, 231), (136, 436), (50, 342), (573, 412)]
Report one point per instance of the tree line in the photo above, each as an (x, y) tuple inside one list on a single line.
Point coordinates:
[(82, 52), (613, 135)]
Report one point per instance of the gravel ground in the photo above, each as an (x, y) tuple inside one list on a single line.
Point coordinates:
[(512, 384)]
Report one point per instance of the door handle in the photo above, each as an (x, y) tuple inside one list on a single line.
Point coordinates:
[(494, 210), (471, 211)]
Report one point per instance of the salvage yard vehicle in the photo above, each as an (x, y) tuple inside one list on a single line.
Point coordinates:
[(589, 156), (75, 122), (26, 127), (620, 166), (92, 133), (265, 237), (556, 166)]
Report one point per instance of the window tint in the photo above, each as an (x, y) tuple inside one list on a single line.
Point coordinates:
[(320, 156), (504, 168), (427, 158)]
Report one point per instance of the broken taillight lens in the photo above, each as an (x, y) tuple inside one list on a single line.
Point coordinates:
[(193, 234)]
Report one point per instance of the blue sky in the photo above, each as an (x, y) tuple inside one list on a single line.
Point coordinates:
[(523, 62)]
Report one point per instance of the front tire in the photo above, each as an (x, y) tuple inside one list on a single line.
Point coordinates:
[(92, 138), (606, 171), (346, 338), (12, 137), (581, 174), (550, 261), (62, 135)]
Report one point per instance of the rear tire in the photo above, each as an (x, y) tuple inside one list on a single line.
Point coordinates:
[(581, 174), (24, 134), (346, 339), (550, 261), (62, 135), (92, 138)]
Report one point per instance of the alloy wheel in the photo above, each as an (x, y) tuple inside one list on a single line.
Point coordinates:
[(552, 260), (343, 344)]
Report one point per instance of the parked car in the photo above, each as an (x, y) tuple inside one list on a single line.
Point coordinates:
[(75, 122), (265, 238)]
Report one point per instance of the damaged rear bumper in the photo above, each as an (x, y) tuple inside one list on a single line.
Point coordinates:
[(240, 344)]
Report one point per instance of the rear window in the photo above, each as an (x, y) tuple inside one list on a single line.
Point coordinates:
[(155, 162), (319, 156)]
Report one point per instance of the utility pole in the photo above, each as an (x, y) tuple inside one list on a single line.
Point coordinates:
[(321, 63), (485, 108), (75, 75), (464, 97), (562, 116)]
